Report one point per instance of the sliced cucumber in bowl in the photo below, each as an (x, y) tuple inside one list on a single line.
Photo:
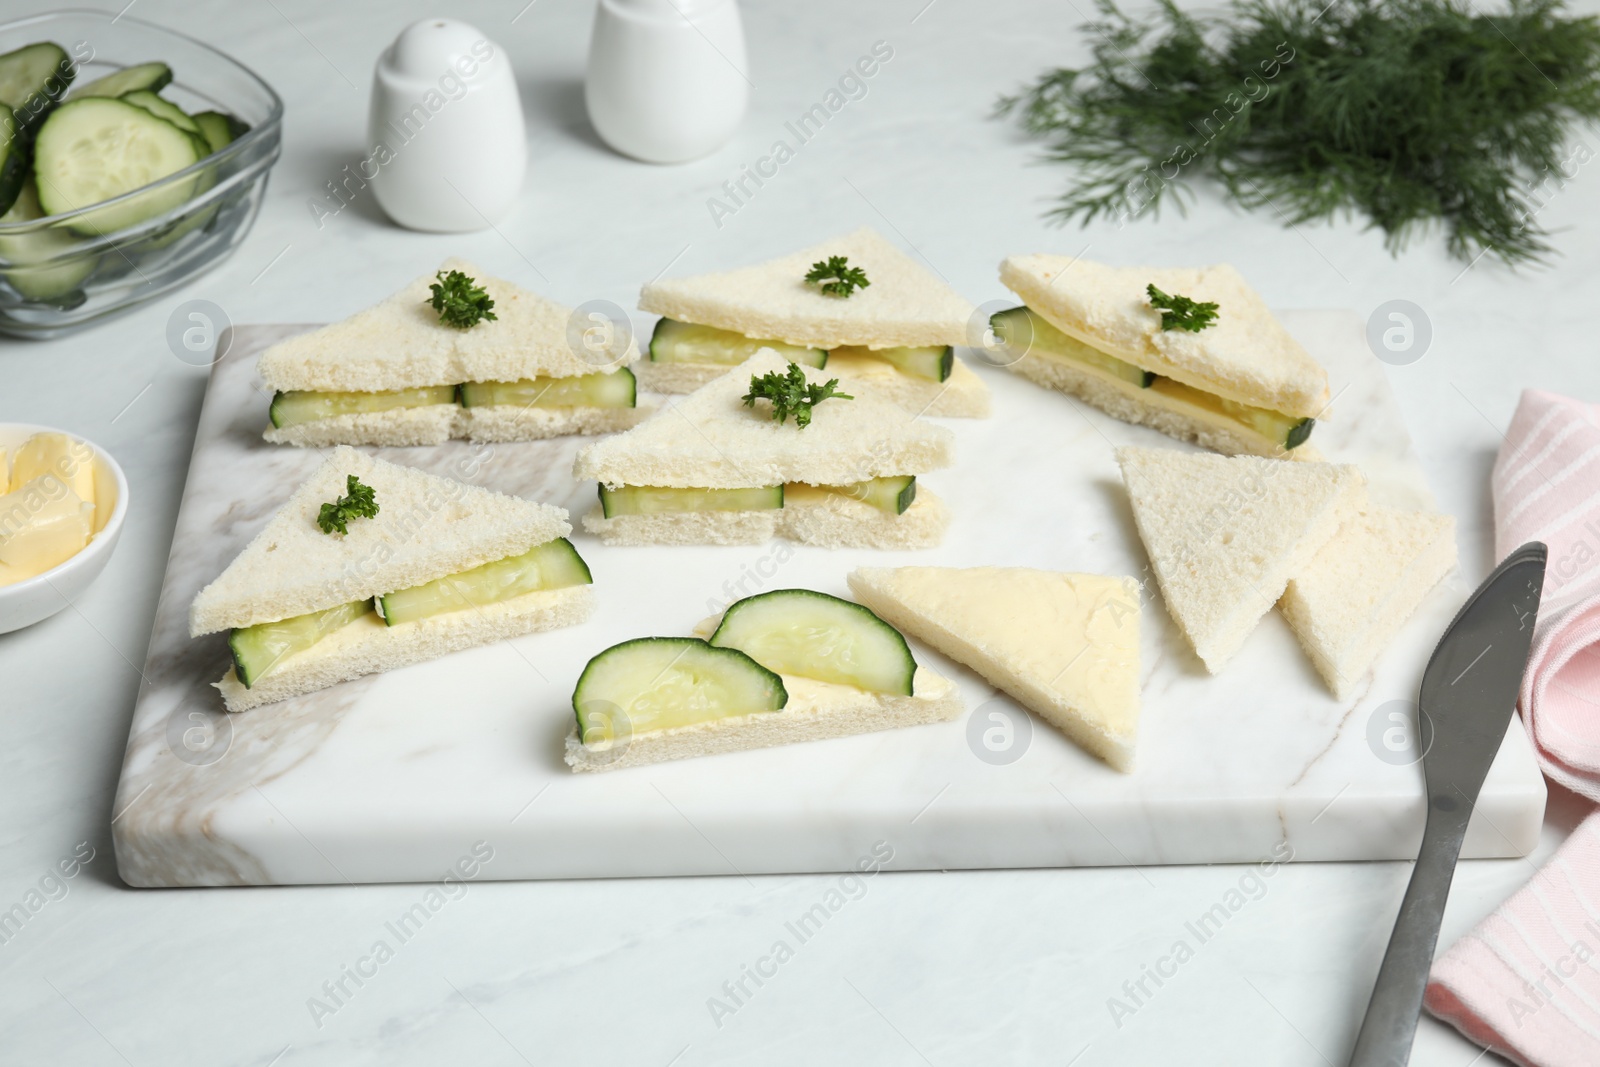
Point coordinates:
[(96, 149), (814, 635), (13, 158), (162, 108), (151, 76), (33, 79), (29, 254)]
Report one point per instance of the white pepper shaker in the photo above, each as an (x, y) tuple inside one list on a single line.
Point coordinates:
[(666, 80), (445, 134)]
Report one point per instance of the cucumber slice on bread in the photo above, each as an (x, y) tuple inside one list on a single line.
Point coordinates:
[(657, 683), (617, 389), (1023, 331), (151, 76), (296, 407), (814, 635), (1289, 431), (656, 500), (258, 649), (687, 342), (892, 495), (933, 362), (552, 565)]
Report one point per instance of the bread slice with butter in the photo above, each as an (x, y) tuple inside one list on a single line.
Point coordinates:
[(1225, 535), (396, 375), (860, 338), (441, 566), (1350, 600), (686, 458), (1066, 646), (1239, 385)]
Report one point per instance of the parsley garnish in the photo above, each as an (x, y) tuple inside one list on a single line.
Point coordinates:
[(837, 276), (359, 502), (460, 301), (791, 394), (1181, 313)]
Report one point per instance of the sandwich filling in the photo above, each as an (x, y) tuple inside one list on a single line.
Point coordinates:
[(707, 346), (1025, 333), (891, 495), (261, 649), (613, 389)]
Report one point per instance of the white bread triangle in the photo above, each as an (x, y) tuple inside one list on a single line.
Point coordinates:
[(1064, 645), (1245, 355), (712, 440), (1347, 604), (963, 395), (905, 305), (1226, 534), (400, 343), (426, 527), (368, 646)]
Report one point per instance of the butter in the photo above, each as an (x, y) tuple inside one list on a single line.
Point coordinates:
[(42, 523), (68, 459), (5, 477)]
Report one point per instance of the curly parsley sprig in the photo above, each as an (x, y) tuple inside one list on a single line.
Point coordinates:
[(1180, 312), (837, 276), (791, 394), (359, 502), (460, 301)]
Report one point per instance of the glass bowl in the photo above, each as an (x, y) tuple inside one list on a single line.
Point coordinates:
[(53, 279)]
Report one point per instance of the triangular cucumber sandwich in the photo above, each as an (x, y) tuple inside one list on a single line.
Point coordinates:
[(439, 567), (898, 332), (1193, 353), (773, 669), (714, 469), (1226, 534), (1348, 603), (403, 373), (1066, 646)]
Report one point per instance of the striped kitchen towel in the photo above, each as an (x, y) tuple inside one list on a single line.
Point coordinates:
[(1526, 981)]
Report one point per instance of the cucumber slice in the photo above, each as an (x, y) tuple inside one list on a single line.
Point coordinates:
[(163, 108), (216, 128), (297, 406), (933, 363), (32, 79), (56, 284), (151, 76), (258, 649), (656, 683), (13, 159), (654, 500), (617, 389), (93, 149), (1285, 431), (893, 494), (1022, 330), (814, 635), (687, 342), (552, 565)]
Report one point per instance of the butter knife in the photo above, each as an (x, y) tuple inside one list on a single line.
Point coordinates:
[(1468, 693)]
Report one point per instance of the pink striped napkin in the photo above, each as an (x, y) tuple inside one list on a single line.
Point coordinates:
[(1526, 981)]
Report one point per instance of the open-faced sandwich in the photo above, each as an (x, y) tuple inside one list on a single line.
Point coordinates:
[(771, 448), (856, 306), (1066, 646), (371, 566), (456, 353), (1191, 352), (776, 668)]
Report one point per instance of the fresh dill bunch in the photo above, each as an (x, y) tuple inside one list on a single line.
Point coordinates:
[(1410, 113), (837, 276), (460, 301), (791, 394), (359, 502)]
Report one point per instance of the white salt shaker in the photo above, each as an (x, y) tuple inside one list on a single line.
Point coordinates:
[(666, 80), (445, 134)]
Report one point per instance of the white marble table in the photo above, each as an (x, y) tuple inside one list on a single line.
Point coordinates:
[(908, 968)]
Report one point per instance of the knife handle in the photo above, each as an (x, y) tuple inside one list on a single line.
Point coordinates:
[(1391, 1023)]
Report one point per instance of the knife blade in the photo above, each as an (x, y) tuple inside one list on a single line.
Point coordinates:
[(1469, 691)]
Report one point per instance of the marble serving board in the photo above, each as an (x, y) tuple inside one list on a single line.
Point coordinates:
[(413, 774)]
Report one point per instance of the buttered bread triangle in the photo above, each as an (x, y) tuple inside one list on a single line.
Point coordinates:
[(1064, 645), (1226, 535)]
